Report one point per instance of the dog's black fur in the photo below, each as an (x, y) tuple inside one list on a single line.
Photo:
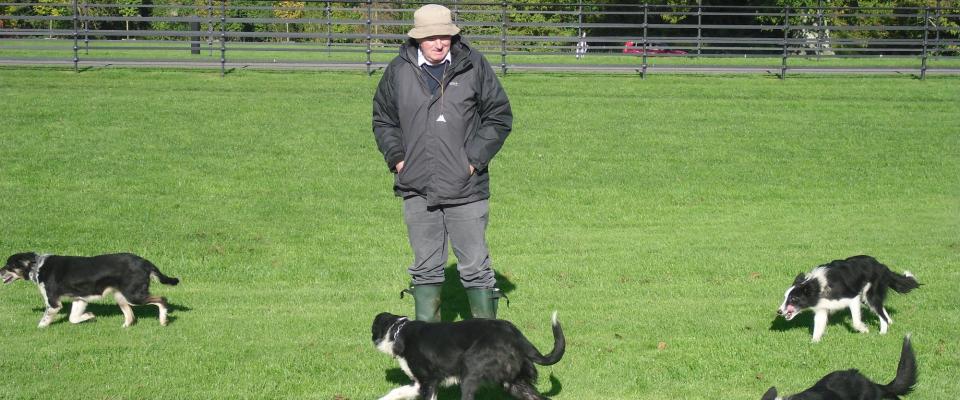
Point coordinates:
[(472, 353), (88, 278), (852, 385), (845, 284)]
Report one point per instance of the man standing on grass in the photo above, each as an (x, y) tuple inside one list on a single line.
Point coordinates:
[(439, 117)]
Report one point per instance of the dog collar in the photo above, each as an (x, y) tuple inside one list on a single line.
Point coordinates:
[(403, 321), (34, 274)]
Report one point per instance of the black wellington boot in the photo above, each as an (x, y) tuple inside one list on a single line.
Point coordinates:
[(483, 302), (426, 301)]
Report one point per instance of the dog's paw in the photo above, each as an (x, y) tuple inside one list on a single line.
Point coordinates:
[(82, 318), (861, 328)]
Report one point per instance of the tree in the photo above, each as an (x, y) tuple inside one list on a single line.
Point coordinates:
[(127, 10), (870, 13), (288, 10), (46, 8)]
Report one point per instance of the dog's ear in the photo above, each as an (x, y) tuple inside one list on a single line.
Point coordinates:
[(771, 394), (27, 260), (799, 279), (810, 288), (380, 325)]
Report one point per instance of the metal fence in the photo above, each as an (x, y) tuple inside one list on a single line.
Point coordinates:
[(571, 36)]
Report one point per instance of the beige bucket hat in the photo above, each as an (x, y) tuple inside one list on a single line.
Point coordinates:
[(432, 20)]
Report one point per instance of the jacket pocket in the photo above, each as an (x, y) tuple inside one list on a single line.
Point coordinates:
[(450, 172)]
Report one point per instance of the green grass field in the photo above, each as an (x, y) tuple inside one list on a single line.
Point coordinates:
[(663, 218)]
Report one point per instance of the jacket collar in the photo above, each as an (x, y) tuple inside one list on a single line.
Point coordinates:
[(421, 60)]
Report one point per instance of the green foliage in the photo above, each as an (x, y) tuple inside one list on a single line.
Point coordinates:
[(131, 10), (842, 13), (289, 9), (48, 8), (539, 14)]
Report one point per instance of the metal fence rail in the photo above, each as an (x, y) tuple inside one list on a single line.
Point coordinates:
[(571, 36)]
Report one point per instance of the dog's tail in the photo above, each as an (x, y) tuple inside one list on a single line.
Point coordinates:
[(559, 346), (906, 373), (903, 283), (155, 272)]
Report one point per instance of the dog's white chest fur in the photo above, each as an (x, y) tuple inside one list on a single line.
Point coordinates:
[(405, 367), (43, 293)]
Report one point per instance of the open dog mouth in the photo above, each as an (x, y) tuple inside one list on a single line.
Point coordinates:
[(7, 278), (789, 313)]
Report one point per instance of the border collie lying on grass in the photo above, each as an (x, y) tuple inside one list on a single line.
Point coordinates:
[(470, 353), (86, 279), (845, 284), (852, 385)]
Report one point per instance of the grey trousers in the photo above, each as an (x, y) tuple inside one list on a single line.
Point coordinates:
[(464, 225)]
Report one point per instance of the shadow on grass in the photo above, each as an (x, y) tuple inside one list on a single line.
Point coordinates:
[(805, 319), (144, 312), (555, 387), (397, 377)]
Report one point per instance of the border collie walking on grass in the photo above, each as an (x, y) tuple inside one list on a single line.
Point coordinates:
[(852, 385), (470, 353), (86, 279), (845, 284)]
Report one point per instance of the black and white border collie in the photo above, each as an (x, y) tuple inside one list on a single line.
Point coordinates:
[(845, 284), (852, 385), (86, 279), (470, 353)]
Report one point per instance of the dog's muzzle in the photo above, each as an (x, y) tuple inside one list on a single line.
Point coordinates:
[(787, 314)]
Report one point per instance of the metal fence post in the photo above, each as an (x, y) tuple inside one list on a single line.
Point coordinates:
[(580, 35), (86, 28), (643, 65), (936, 17), (926, 31), (820, 29), (369, 37), (327, 12), (699, 27), (786, 35), (223, 38), (76, 36), (503, 37), (210, 26)]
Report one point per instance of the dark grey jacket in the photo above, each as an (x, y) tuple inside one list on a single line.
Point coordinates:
[(437, 155)]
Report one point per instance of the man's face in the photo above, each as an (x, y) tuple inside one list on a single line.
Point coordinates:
[(435, 48)]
